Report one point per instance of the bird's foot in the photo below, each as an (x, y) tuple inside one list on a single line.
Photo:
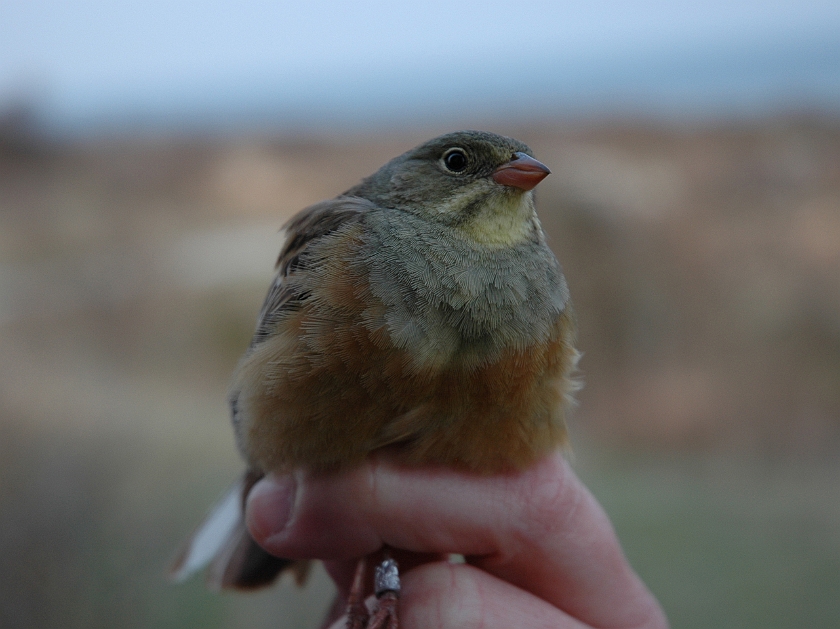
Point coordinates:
[(386, 584)]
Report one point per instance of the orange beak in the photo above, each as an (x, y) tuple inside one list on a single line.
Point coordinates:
[(523, 172)]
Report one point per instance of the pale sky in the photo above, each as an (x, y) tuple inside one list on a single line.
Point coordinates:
[(87, 56)]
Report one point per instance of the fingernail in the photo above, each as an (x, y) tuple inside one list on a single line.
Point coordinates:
[(270, 506)]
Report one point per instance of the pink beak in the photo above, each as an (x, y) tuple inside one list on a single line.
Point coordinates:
[(523, 172)]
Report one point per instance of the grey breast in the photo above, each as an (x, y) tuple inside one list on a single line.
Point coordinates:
[(449, 298)]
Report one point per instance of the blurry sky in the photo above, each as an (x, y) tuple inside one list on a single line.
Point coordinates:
[(97, 60)]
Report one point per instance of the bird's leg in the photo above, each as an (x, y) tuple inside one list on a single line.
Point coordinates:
[(386, 585), (357, 612)]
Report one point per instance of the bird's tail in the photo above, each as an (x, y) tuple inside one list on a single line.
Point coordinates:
[(236, 561)]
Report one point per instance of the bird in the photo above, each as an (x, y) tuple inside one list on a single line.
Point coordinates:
[(420, 311)]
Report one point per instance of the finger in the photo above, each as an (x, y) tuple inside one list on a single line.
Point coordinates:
[(540, 529), (448, 596)]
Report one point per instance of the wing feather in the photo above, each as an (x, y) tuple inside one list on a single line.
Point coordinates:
[(302, 230)]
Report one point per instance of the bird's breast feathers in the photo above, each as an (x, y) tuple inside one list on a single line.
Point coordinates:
[(447, 298), (412, 337)]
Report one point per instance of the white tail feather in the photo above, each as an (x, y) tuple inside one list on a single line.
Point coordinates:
[(211, 537)]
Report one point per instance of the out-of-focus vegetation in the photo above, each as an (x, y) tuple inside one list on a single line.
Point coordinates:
[(705, 267)]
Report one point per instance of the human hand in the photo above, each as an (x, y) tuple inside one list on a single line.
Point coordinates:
[(539, 549)]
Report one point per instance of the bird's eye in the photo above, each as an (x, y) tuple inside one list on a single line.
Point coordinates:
[(455, 160)]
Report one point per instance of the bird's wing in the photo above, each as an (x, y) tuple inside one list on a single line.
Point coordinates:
[(303, 229), (237, 561)]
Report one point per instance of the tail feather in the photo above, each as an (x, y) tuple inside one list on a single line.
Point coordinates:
[(244, 565), (222, 541)]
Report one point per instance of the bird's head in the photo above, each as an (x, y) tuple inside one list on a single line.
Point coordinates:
[(479, 183)]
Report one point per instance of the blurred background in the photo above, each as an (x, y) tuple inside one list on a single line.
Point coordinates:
[(149, 152)]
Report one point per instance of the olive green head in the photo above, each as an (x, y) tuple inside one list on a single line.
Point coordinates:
[(453, 180)]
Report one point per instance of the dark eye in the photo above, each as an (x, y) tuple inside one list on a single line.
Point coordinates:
[(455, 160)]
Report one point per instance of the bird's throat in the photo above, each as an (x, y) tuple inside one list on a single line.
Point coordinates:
[(505, 220)]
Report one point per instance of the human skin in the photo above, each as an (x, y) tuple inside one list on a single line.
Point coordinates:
[(539, 549)]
